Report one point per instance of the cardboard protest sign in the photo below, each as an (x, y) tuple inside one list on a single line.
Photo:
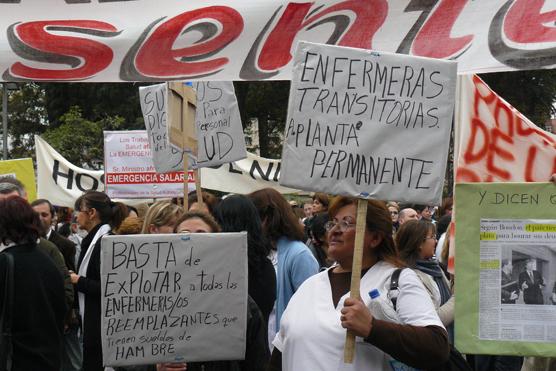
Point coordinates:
[(122, 40), (173, 298), (368, 124), (503, 231), (496, 143), (219, 129), (130, 172), (21, 169), (166, 156)]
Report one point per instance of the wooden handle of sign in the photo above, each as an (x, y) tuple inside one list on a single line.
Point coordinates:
[(349, 348), (185, 180), (198, 189)]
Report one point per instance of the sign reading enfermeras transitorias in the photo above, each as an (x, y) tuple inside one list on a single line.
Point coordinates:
[(368, 124)]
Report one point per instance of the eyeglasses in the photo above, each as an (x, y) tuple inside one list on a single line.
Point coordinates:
[(343, 225), (431, 238), (393, 212)]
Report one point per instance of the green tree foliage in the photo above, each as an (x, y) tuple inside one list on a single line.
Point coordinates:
[(268, 102), (97, 101), (80, 140), (26, 117), (532, 93)]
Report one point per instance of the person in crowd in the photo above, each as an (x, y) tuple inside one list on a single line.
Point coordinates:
[(72, 355), (416, 241), (441, 234), (256, 352), (510, 290), (307, 210), (39, 306), (446, 207), (312, 333), (161, 217), (407, 214), (394, 210), (317, 240), (320, 203), (531, 283), (130, 225), (237, 213), (98, 215), (210, 202), (425, 212), (10, 187), (295, 263)]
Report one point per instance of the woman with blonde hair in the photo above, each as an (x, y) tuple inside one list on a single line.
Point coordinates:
[(161, 218)]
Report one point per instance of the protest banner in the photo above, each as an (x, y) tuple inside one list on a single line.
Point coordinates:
[(141, 40), (167, 157), (496, 142), (219, 130), (22, 170), (508, 229), (368, 124), (130, 172), (62, 182), (173, 298)]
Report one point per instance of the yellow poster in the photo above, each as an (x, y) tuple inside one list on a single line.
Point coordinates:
[(22, 170)]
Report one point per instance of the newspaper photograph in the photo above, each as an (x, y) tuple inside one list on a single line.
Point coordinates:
[(517, 288)]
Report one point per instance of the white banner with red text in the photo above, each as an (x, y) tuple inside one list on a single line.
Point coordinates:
[(62, 183), (141, 40)]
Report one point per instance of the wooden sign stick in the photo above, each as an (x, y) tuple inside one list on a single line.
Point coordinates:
[(185, 180), (349, 348), (198, 187)]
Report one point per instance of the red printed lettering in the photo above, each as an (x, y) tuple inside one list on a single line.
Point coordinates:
[(86, 58), (525, 23)]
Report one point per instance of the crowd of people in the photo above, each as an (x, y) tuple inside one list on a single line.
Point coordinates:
[(300, 258)]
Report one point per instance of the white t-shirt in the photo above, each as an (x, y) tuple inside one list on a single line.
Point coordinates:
[(311, 336)]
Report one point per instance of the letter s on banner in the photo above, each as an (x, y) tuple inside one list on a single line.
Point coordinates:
[(32, 41), (155, 58)]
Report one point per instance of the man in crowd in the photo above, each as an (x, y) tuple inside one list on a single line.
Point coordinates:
[(509, 287), (11, 187), (531, 283), (407, 214)]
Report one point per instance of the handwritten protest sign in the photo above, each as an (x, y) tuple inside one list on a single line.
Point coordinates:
[(130, 172), (168, 298), (219, 129), (368, 124), (154, 105), (506, 227)]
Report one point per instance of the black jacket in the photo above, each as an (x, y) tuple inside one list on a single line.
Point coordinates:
[(66, 247), (39, 309)]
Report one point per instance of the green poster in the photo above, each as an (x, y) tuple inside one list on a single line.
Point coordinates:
[(506, 268)]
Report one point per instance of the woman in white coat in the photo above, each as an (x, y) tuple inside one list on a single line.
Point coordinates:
[(313, 327)]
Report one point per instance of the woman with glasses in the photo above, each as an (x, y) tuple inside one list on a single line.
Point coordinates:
[(416, 241), (394, 211), (98, 215), (313, 329)]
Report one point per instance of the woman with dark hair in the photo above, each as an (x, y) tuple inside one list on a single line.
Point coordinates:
[(256, 347), (295, 262), (210, 202), (237, 213), (98, 215), (320, 203), (312, 334), (317, 239), (416, 241), (39, 306)]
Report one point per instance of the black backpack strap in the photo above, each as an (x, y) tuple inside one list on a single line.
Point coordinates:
[(6, 316), (394, 286)]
